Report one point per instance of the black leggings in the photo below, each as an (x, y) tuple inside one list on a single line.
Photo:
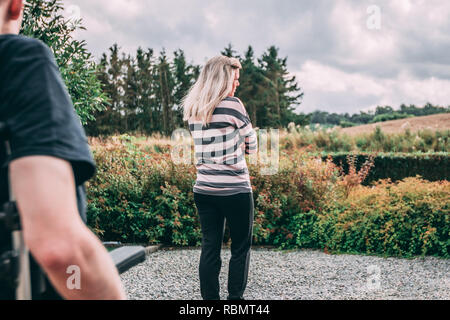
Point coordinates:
[(238, 210)]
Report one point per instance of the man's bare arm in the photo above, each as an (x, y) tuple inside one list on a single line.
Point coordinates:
[(54, 232)]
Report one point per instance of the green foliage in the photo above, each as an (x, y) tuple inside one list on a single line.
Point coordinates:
[(282, 93), (164, 86), (322, 139), (140, 195), (146, 91), (347, 124), (397, 166), (43, 19), (404, 219), (390, 116), (385, 113)]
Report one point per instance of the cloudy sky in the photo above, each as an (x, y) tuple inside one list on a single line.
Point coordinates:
[(348, 55)]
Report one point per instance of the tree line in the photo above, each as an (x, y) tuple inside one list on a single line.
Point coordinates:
[(145, 90), (380, 114)]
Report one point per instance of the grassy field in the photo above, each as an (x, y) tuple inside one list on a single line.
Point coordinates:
[(434, 122), (427, 133)]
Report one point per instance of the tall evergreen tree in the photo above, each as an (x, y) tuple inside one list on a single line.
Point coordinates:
[(130, 107), (164, 92), (185, 75), (114, 87), (145, 90), (286, 91), (107, 121), (253, 84), (229, 52)]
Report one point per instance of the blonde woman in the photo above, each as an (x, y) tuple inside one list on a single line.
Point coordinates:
[(222, 134)]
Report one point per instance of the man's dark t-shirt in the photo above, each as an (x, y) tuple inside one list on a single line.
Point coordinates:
[(36, 107)]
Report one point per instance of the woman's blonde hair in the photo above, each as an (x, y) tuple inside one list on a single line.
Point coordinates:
[(213, 85)]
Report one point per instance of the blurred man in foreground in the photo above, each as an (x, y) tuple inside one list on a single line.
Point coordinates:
[(49, 162)]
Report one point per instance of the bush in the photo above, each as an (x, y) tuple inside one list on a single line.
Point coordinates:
[(390, 116), (347, 124), (396, 166), (140, 195), (407, 218)]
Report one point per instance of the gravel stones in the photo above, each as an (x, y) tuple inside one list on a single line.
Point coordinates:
[(294, 275)]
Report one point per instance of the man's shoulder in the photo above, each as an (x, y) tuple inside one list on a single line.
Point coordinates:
[(18, 46), (22, 43)]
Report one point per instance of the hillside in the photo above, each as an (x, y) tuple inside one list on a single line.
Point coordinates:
[(434, 122)]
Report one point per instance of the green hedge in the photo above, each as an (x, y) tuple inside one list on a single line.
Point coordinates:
[(405, 219), (396, 166)]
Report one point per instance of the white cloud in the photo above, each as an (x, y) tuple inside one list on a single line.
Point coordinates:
[(363, 92)]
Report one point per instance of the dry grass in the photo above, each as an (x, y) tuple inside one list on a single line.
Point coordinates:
[(139, 140), (434, 122)]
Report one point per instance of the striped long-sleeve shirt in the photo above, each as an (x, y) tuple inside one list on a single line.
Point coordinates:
[(221, 166)]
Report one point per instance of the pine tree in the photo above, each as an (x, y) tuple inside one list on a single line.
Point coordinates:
[(253, 84), (285, 90), (185, 75), (130, 107), (145, 91), (229, 52), (110, 75), (115, 85), (164, 92)]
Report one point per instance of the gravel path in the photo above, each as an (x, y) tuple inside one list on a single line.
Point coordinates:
[(303, 274)]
